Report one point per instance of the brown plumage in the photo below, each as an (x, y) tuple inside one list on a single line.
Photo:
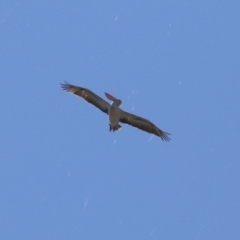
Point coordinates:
[(115, 113)]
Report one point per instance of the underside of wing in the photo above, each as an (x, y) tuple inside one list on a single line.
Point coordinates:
[(143, 124), (87, 95)]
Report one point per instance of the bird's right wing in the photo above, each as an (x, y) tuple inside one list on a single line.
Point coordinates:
[(87, 95)]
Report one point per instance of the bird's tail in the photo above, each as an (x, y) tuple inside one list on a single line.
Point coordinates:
[(116, 128)]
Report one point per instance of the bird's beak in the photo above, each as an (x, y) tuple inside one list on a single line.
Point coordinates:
[(110, 97)]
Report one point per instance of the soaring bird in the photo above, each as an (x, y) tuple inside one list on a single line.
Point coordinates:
[(114, 112)]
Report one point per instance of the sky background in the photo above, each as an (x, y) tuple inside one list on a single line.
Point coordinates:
[(63, 175)]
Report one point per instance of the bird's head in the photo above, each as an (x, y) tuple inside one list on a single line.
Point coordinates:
[(116, 101)]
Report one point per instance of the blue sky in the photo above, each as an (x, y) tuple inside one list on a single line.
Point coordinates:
[(64, 176)]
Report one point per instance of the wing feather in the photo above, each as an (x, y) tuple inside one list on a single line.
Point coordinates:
[(87, 95), (143, 124)]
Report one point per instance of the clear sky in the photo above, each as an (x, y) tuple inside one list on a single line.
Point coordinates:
[(63, 175)]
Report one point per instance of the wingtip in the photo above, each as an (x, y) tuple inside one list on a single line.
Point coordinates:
[(65, 86), (165, 137)]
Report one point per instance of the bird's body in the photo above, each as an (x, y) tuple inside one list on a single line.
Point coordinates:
[(115, 113)]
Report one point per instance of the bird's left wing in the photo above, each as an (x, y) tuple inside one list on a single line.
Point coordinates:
[(143, 124)]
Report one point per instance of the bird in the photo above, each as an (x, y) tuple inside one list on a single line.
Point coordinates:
[(114, 112)]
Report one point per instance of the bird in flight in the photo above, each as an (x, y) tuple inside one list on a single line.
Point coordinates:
[(114, 112)]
